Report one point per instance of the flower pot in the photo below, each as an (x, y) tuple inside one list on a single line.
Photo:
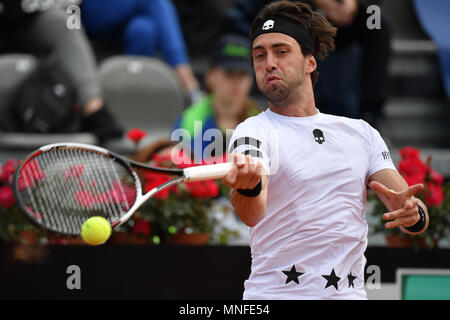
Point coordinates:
[(400, 241), (65, 240), (128, 238), (139, 239), (28, 237), (75, 241), (120, 238), (195, 239), (397, 241)]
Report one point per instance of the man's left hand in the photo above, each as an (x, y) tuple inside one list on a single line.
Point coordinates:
[(403, 205)]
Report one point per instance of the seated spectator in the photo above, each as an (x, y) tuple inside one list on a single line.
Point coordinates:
[(353, 79), (142, 27), (228, 80), (45, 34)]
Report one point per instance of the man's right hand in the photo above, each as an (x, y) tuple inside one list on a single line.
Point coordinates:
[(246, 173)]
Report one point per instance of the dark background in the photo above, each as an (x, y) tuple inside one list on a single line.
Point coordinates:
[(159, 272)]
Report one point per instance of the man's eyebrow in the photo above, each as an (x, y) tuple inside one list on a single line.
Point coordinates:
[(275, 45), (258, 47)]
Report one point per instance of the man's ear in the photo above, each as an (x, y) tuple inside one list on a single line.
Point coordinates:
[(311, 64)]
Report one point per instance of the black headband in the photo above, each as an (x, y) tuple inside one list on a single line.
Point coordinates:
[(292, 29)]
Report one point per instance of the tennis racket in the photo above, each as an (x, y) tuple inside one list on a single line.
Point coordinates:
[(59, 186)]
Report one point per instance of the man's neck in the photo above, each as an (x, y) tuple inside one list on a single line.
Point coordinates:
[(301, 106)]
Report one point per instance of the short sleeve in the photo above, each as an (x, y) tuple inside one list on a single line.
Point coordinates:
[(248, 140), (379, 155)]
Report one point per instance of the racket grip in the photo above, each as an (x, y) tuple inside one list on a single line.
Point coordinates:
[(208, 172)]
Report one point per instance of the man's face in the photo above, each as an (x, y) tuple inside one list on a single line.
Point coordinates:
[(280, 67)]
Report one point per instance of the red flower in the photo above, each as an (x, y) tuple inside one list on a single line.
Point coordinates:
[(436, 177), (136, 135), (6, 197), (203, 189), (103, 198), (37, 215), (25, 182), (158, 158), (153, 180), (413, 170), (409, 152), (212, 187), (92, 184), (123, 194), (32, 171), (434, 195), (75, 171), (85, 198), (8, 170), (119, 194), (141, 226), (162, 160), (181, 159), (414, 179)]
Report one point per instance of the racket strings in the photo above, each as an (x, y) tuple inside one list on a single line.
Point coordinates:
[(63, 187)]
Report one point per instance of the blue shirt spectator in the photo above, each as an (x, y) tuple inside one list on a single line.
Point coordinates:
[(142, 27)]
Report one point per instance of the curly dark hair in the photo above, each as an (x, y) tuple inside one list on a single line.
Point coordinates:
[(321, 30)]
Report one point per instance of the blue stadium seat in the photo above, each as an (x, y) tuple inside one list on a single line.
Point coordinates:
[(143, 93)]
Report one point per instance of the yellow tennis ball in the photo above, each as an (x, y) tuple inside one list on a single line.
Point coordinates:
[(95, 230)]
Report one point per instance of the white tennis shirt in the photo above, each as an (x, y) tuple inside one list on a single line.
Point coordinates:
[(311, 242)]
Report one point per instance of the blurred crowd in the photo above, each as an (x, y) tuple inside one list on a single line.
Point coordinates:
[(353, 80)]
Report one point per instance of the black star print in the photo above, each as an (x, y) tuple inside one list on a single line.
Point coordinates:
[(332, 280), (351, 278), (292, 275)]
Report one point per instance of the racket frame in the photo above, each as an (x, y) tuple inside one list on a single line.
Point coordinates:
[(207, 172), (128, 164)]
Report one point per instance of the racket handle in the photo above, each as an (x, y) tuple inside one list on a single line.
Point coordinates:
[(208, 172)]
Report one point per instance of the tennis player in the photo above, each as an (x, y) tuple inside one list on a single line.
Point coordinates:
[(304, 197)]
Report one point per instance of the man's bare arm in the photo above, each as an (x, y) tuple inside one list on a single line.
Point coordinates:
[(246, 174), (399, 198), (250, 210)]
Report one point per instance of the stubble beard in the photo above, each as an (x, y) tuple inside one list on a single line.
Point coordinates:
[(284, 92), (276, 94), (281, 94)]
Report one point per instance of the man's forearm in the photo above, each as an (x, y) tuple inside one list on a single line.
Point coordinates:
[(250, 210)]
